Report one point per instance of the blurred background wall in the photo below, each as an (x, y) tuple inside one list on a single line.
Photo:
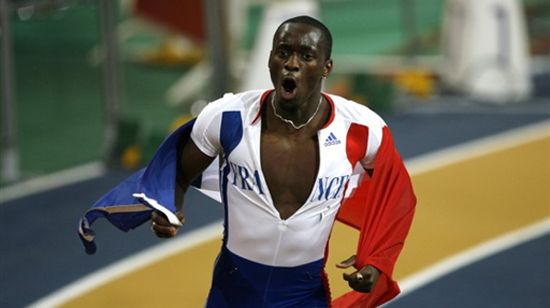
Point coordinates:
[(104, 81)]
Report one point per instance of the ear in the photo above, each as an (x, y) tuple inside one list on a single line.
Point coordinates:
[(328, 68)]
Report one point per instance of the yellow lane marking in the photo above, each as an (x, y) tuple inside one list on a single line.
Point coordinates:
[(181, 280)]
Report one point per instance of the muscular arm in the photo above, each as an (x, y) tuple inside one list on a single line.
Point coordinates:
[(192, 162)]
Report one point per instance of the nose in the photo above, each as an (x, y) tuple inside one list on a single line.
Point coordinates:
[(292, 63)]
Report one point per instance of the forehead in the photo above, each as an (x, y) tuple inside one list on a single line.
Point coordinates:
[(298, 34)]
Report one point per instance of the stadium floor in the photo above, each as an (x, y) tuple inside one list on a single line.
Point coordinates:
[(470, 193)]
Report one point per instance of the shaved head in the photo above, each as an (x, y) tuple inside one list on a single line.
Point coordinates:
[(325, 32)]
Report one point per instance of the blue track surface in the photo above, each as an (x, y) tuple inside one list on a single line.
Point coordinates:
[(517, 277)]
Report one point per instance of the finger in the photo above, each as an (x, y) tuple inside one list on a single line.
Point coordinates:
[(180, 216), (346, 263), (163, 231), (161, 227), (356, 277), (159, 218), (370, 273), (364, 280), (359, 282), (347, 277), (364, 287)]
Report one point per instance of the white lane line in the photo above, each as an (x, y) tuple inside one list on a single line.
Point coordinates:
[(421, 164), (478, 147), (52, 181), (472, 255), (130, 264)]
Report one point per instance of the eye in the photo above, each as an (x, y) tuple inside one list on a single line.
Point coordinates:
[(283, 53), (307, 56)]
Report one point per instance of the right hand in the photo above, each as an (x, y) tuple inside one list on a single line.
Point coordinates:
[(362, 280), (162, 227)]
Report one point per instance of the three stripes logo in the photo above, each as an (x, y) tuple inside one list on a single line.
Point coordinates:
[(331, 140)]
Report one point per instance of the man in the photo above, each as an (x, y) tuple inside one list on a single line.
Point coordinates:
[(289, 156), (292, 160)]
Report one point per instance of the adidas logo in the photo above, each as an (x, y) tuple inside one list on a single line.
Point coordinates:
[(331, 140)]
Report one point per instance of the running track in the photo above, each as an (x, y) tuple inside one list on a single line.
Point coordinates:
[(41, 252)]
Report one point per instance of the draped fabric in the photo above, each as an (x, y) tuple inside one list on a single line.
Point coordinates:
[(381, 207), (130, 203)]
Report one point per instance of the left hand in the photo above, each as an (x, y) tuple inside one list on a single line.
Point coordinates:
[(362, 280), (162, 227)]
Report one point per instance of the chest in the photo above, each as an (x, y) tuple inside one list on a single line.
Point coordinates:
[(290, 167), (287, 175)]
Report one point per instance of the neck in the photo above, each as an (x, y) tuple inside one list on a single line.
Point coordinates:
[(296, 123)]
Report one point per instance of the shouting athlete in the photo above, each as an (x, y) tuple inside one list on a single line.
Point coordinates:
[(290, 156)]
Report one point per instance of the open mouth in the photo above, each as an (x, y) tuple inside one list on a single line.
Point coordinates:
[(289, 85)]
